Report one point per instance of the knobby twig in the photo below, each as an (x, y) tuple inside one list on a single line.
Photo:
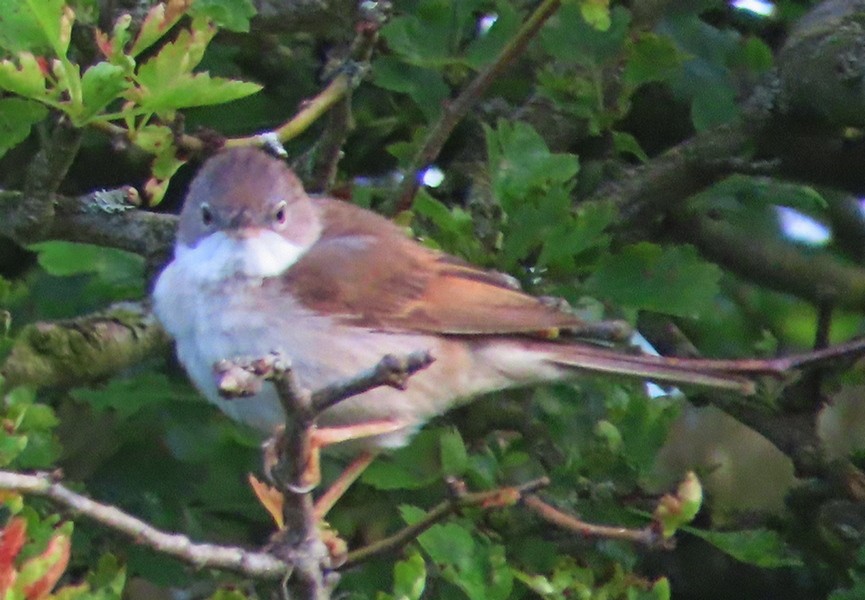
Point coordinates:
[(392, 371), (299, 543), (459, 107), (260, 565)]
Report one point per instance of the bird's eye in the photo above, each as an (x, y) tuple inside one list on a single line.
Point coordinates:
[(280, 214), (206, 215)]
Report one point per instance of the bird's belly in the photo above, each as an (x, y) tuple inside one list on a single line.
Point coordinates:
[(227, 324)]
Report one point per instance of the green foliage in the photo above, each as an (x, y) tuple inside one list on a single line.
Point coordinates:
[(659, 270), (465, 558), (570, 580), (761, 547), (148, 443), (119, 88)]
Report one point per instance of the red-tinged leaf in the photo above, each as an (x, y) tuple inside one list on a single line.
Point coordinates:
[(270, 498), (56, 558), (11, 540), (158, 21), (103, 43)]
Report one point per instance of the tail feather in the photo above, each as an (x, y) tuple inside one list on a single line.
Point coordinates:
[(727, 375)]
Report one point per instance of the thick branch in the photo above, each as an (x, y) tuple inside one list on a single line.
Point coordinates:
[(83, 350), (103, 218), (776, 264), (250, 564)]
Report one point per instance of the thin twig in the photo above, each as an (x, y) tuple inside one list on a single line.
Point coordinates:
[(309, 113), (456, 110), (647, 536), (251, 564), (391, 371), (497, 498)]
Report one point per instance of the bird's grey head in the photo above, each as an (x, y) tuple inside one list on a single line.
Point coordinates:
[(246, 214)]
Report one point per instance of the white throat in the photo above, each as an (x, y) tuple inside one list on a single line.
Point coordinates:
[(219, 256)]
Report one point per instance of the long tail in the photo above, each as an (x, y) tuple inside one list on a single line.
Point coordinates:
[(723, 374)]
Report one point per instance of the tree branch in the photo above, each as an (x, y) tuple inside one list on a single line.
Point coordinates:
[(83, 350), (497, 498), (259, 565), (459, 107)]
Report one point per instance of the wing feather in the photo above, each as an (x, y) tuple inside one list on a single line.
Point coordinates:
[(367, 272)]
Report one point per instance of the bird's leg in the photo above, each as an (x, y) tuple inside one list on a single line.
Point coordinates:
[(336, 490), (326, 436)]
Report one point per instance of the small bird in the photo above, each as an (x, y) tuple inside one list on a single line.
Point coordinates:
[(260, 266)]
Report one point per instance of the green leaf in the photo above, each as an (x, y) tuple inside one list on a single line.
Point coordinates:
[(486, 47), (64, 259), (625, 143), (409, 577), (109, 578), (167, 82), (714, 105), (201, 89), (413, 467), (424, 86), (475, 565), (652, 58), (158, 22), (17, 117), (761, 547), (127, 396), (233, 15), (756, 55), (671, 280), (101, 84), (32, 25), (520, 160), (431, 37), (576, 234), (568, 37), (454, 457), (596, 13), (24, 78), (117, 274)]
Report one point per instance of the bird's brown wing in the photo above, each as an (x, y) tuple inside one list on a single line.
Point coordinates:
[(367, 272)]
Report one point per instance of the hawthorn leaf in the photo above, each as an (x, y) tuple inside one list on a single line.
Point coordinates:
[(17, 117), (101, 84), (233, 15), (760, 547), (23, 77), (670, 280)]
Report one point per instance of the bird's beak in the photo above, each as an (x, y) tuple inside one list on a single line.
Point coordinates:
[(244, 233)]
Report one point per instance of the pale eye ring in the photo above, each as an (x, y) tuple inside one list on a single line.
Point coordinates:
[(206, 214), (280, 213)]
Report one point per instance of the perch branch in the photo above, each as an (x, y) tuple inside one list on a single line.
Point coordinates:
[(251, 564), (299, 543)]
